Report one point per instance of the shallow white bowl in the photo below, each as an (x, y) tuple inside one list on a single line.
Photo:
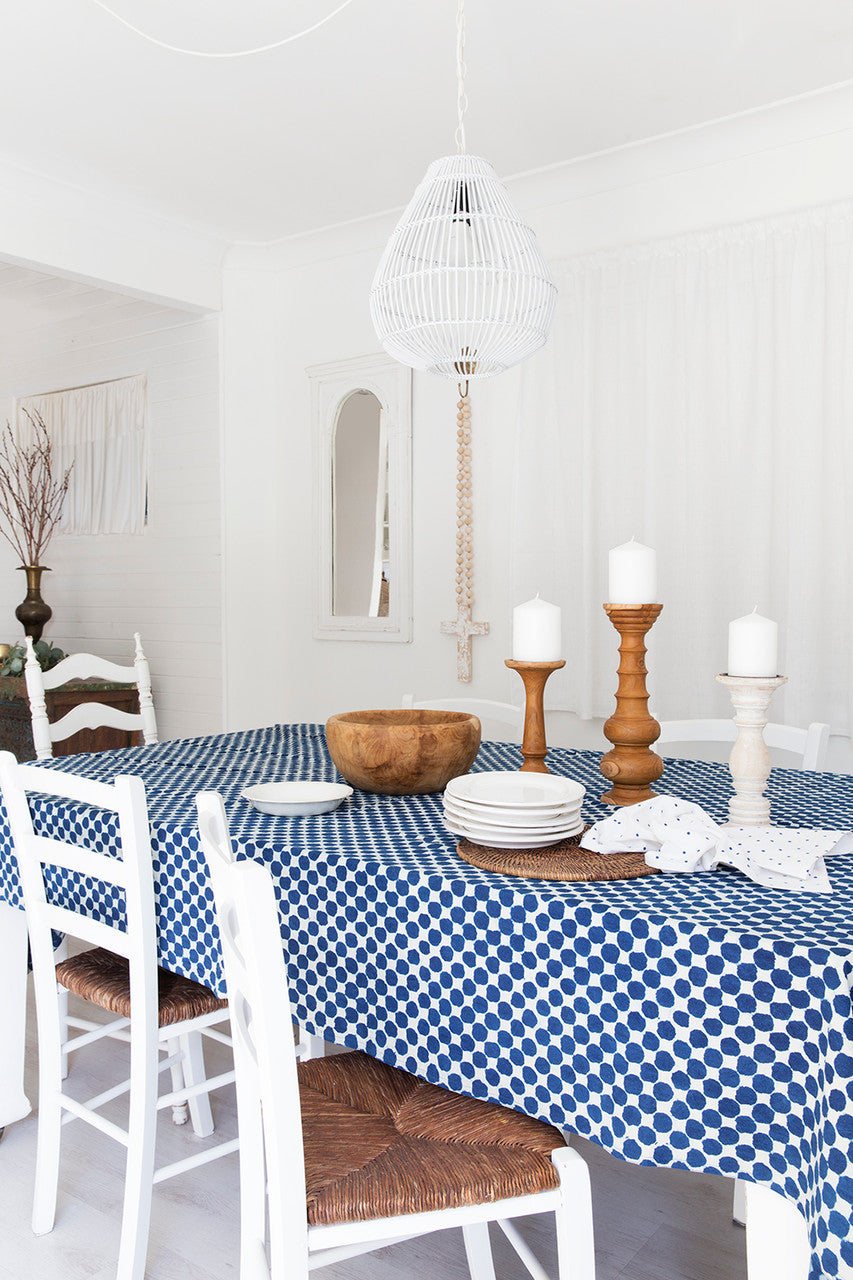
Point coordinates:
[(296, 799), (512, 789)]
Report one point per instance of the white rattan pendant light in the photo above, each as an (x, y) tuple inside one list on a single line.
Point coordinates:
[(462, 289)]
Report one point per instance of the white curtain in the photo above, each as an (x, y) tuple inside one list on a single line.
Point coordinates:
[(102, 429), (698, 394)]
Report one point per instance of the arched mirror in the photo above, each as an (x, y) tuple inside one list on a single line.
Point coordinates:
[(361, 571), (362, 433)]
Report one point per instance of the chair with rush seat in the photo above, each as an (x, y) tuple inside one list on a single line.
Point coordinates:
[(369, 1155), (87, 715), (157, 1011)]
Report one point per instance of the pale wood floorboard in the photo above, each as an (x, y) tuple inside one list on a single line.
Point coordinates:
[(651, 1224)]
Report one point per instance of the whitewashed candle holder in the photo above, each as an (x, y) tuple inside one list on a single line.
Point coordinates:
[(750, 759)]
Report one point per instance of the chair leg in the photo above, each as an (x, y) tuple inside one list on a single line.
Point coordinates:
[(139, 1170), (61, 953), (49, 1128), (253, 1193), (478, 1250), (192, 1050), (180, 1110), (575, 1240)]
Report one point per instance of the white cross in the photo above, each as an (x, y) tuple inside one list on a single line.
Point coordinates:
[(463, 628)]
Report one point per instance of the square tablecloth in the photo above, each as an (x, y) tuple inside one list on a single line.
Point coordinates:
[(690, 1021)]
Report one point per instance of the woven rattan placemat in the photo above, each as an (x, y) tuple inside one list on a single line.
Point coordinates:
[(563, 861)]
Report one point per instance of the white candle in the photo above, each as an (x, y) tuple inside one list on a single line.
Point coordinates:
[(633, 576), (536, 632), (753, 646)]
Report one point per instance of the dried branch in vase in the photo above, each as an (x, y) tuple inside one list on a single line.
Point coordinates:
[(31, 496)]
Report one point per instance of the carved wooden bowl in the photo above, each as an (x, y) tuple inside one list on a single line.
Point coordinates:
[(405, 752)]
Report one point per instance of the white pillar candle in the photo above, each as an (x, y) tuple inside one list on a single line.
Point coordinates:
[(753, 646), (633, 576), (536, 632)]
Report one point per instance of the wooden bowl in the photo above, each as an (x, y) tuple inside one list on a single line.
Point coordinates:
[(402, 753)]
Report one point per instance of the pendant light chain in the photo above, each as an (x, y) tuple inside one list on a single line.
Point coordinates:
[(461, 95)]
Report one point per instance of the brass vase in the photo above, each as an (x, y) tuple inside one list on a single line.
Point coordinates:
[(32, 612)]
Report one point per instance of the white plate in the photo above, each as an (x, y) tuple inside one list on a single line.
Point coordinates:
[(512, 789), (296, 799), (498, 815), (512, 837), (535, 840)]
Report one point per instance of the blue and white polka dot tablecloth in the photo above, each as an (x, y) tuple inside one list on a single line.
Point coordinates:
[(690, 1021)]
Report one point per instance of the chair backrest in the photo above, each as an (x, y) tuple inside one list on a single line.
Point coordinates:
[(269, 1114), (87, 715), (53, 905), (483, 708), (810, 744)]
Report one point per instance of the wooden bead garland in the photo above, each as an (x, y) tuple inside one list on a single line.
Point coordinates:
[(463, 627)]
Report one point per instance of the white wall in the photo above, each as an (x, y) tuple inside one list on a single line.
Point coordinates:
[(166, 582), (306, 301)]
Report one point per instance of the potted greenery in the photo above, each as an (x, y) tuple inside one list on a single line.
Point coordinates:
[(31, 499)]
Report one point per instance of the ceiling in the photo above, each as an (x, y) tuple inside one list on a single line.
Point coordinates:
[(342, 123)]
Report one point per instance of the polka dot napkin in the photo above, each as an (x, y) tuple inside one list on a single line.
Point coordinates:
[(677, 835)]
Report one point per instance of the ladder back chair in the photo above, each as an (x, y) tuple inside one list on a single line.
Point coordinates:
[(88, 715), (158, 1011), (809, 744), (483, 708), (371, 1155)]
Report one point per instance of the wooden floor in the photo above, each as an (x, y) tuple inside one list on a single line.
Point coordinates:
[(650, 1224)]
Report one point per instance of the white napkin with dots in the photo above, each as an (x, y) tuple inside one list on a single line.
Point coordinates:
[(677, 835)]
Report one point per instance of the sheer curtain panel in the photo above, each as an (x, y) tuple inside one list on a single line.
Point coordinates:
[(103, 429), (698, 394)]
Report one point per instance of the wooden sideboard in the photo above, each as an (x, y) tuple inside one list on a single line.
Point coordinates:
[(16, 729)]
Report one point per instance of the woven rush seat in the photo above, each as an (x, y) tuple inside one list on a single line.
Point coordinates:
[(380, 1142), (103, 978)]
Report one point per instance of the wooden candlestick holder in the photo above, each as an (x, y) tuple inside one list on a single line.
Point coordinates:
[(750, 760), (534, 747), (631, 765)]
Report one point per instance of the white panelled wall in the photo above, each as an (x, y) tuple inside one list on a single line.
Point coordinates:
[(302, 302), (312, 295), (166, 582)]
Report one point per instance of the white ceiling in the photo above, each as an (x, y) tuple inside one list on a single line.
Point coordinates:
[(343, 123)]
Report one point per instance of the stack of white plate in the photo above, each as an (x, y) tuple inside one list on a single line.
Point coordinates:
[(513, 810)]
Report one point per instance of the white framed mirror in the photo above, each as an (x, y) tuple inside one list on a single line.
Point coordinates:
[(362, 432)]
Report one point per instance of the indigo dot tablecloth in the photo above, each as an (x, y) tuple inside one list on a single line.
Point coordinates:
[(690, 1021)]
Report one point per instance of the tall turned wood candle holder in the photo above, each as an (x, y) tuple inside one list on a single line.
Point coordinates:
[(750, 760), (534, 747), (631, 766)]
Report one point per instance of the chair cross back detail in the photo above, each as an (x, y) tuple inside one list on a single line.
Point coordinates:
[(810, 744), (88, 715)]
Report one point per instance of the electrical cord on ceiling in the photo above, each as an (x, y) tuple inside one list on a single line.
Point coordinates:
[(200, 53)]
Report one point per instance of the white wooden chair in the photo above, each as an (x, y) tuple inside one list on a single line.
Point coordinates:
[(119, 974), (483, 708), (281, 1145), (810, 744), (87, 715)]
